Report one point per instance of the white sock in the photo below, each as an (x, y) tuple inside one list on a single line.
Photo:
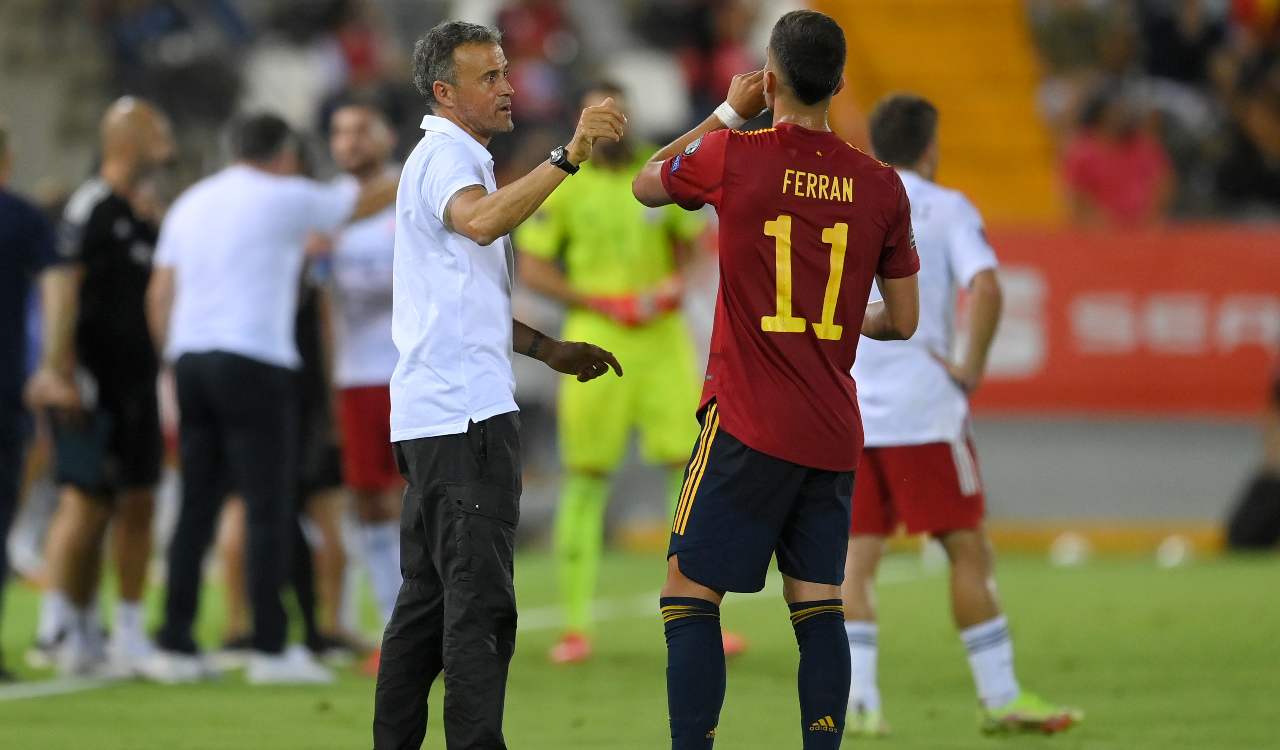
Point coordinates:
[(128, 617), (54, 612), (382, 556), (991, 659), (863, 647)]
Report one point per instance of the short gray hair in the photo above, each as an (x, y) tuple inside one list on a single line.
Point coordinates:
[(433, 54)]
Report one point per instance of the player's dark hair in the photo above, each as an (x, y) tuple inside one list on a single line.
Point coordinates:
[(902, 127), (371, 101), (809, 49), (433, 53), (261, 137)]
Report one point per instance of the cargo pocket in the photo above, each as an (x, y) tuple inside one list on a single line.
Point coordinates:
[(484, 519)]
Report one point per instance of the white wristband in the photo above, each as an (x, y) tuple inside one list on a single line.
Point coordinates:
[(729, 116)]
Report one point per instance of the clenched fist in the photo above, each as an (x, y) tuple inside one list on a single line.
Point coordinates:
[(746, 94), (604, 120)]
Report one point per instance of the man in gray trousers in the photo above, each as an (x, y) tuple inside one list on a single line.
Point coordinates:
[(453, 411)]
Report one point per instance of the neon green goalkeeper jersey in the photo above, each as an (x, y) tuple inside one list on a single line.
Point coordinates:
[(611, 244)]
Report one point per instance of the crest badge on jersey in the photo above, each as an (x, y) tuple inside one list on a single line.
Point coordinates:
[(688, 150)]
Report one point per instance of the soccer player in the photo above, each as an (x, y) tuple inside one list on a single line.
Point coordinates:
[(918, 468), (621, 282), (806, 223), (108, 445), (364, 355)]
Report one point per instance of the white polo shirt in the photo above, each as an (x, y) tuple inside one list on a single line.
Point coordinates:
[(451, 307), (235, 243), (904, 393)]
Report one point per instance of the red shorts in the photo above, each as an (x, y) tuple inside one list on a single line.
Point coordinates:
[(364, 416), (930, 489)]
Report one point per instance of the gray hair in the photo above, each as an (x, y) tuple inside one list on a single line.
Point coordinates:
[(433, 53)]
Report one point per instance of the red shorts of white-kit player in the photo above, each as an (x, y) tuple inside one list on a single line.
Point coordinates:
[(929, 489), (364, 416)]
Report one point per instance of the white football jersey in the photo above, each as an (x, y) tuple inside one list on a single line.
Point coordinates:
[(363, 257), (904, 393)]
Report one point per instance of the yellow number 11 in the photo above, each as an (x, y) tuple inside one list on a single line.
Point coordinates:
[(784, 322)]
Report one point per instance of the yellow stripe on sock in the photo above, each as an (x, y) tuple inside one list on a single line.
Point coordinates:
[(695, 466), (805, 614), (681, 615), (818, 608)]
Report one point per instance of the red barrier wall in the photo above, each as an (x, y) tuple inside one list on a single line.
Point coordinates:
[(1178, 321)]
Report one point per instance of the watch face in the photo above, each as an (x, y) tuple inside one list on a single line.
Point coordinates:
[(557, 153)]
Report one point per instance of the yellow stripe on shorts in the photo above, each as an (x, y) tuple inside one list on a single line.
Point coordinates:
[(696, 472), (703, 442)]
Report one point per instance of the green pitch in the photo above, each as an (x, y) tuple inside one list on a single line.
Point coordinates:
[(1181, 658)]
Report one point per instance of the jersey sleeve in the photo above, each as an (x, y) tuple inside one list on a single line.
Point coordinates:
[(898, 257), (695, 177), (544, 234), (330, 204), (72, 232), (446, 170), (968, 251)]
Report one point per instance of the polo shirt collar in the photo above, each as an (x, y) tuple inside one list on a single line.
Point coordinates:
[(444, 125)]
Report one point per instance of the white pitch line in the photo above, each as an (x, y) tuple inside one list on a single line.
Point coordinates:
[(57, 686), (533, 619)]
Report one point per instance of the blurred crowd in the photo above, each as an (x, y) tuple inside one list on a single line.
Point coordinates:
[(1160, 108), (203, 60), (1163, 108)]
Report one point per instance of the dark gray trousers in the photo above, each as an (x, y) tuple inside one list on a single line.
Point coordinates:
[(456, 611)]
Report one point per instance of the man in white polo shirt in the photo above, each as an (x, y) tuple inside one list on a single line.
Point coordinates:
[(453, 411), (222, 303)]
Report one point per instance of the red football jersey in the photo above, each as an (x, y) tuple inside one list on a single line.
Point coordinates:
[(806, 222)]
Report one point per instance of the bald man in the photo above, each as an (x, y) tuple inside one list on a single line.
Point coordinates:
[(106, 431)]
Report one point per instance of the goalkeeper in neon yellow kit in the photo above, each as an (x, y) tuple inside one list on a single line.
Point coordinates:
[(620, 280)]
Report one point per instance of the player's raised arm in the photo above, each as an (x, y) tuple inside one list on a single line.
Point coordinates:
[(484, 217), (744, 101)]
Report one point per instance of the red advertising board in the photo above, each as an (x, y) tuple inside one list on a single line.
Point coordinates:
[(1178, 321)]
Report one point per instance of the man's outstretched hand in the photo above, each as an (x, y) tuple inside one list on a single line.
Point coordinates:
[(587, 361)]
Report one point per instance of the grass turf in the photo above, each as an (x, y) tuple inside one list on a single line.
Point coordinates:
[(1180, 658)]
